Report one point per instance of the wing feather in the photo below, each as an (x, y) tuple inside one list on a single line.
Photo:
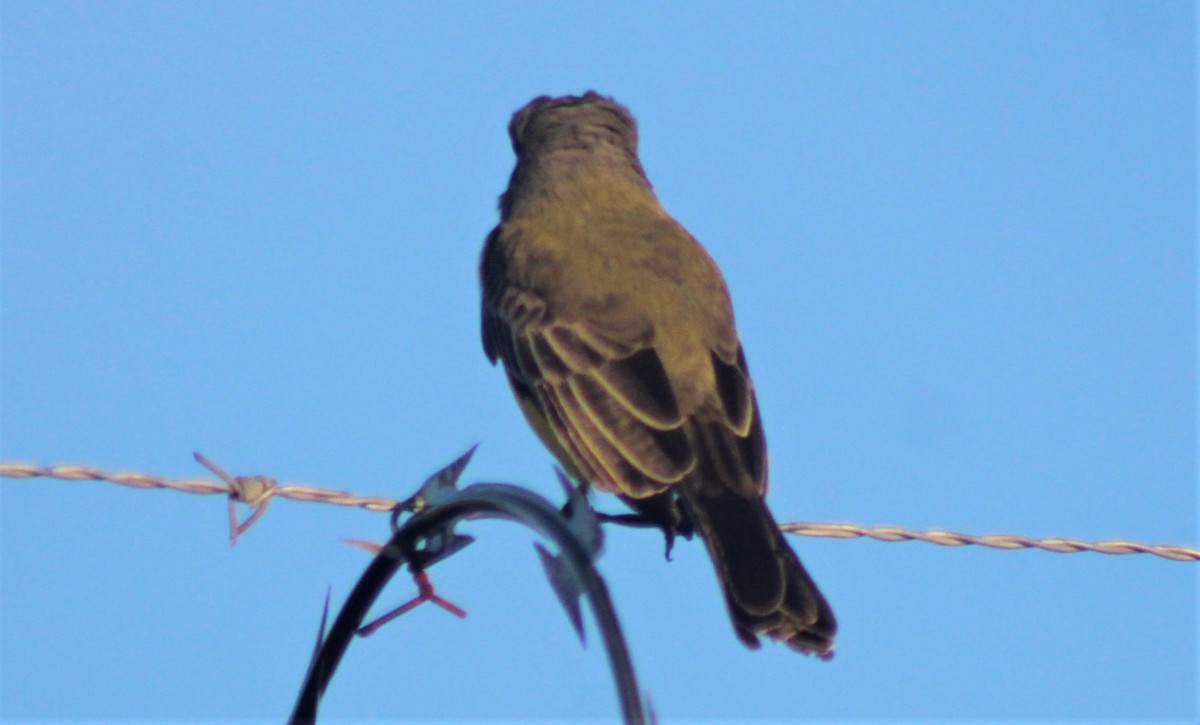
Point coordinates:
[(604, 398), (615, 418)]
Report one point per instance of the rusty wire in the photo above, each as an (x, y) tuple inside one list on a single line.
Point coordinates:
[(300, 492)]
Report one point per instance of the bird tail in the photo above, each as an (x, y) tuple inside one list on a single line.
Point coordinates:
[(766, 587)]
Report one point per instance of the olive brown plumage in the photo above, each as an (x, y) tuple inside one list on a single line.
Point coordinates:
[(617, 334)]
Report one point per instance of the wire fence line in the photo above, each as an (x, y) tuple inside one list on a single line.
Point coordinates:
[(257, 490)]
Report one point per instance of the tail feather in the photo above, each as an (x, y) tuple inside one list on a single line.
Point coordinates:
[(766, 588)]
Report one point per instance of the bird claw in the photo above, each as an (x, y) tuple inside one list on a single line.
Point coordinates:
[(669, 535)]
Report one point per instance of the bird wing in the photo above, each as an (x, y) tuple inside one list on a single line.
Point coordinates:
[(603, 402), (607, 404)]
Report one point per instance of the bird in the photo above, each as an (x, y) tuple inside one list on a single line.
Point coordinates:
[(616, 332)]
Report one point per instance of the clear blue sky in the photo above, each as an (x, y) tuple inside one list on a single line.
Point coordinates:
[(960, 239)]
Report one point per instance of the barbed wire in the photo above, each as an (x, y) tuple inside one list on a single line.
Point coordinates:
[(295, 492), (256, 490), (942, 537)]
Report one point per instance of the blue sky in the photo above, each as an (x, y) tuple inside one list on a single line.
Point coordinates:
[(960, 239)]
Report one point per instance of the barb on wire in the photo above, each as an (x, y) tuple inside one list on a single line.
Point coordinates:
[(428, 536), (297, 492), (255, 491)]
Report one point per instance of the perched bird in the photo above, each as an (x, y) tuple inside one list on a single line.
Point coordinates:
[(616, 331)]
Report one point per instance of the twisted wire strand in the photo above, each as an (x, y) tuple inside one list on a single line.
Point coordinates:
[(942, 537), (293, 491), (300, 492)]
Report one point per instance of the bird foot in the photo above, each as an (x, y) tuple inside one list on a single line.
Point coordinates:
[(642, 521)]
